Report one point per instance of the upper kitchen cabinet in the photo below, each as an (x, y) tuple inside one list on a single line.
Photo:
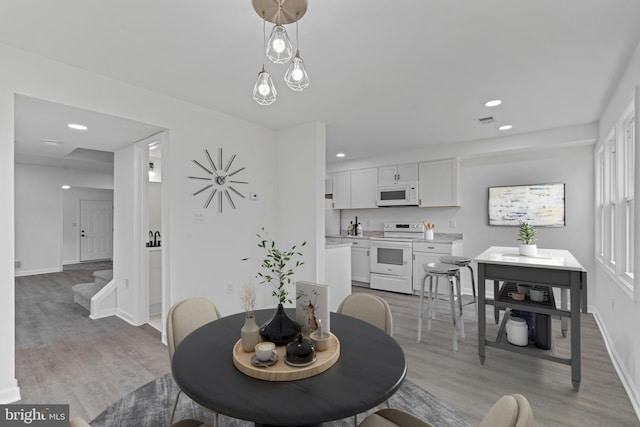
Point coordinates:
[(355, 189), (341, 187), (363, 188), (439, 183), (397, 173)]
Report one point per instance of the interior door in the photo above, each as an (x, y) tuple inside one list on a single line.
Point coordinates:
[(96, 230)]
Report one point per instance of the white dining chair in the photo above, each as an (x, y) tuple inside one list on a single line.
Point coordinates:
[(183, 318)]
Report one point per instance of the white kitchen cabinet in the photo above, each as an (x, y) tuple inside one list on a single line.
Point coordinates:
[(364, 183), (425, 252), (439, 183), (341, 190), (338, 273), (360, 267), (397, 173)]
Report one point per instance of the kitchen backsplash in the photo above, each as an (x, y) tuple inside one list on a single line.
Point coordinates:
[(374, 219)]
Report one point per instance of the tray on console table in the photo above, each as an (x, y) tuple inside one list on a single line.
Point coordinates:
[(280, 371)]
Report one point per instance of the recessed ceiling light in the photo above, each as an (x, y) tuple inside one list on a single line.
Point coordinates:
[(77, 126), (493, 103), (340, 155), (505, 127), (66, 187), (53, 142)]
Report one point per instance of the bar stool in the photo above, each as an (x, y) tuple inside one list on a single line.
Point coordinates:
[(451, 273), (462, 261)]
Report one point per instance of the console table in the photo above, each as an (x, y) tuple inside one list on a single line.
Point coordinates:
[(554, 268)]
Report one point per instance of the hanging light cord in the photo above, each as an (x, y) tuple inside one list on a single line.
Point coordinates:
[(264, 40), (297, 40)]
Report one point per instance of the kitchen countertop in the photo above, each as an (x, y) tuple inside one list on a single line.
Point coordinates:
[(439, 237)]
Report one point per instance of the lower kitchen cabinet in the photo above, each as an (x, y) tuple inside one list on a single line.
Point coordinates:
[(360, 267), (426, 252)]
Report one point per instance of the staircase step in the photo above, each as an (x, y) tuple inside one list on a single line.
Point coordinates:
[(103, 277), (83, 292)]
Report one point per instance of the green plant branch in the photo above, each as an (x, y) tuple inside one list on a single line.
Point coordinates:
[(278, 271)]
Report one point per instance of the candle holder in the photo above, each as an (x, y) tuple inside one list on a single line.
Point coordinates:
[(320, 340)]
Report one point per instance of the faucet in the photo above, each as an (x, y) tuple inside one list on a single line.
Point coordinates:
[(155, 236)]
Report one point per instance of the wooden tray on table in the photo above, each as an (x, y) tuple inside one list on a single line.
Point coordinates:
[(280, 371)]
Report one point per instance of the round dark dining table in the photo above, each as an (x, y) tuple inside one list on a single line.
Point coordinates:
[(370, 369)]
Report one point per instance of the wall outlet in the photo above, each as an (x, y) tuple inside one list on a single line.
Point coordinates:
[(126, 283), (452, 223), (229, 288), (18, 264)]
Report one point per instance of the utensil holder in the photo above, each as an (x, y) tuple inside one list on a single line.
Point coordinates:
[(429, 234)]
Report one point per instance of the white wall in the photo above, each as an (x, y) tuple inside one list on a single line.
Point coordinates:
[(71, 218), (9, 391), (155, 206), (39, 213), (203, 259), (301, 195), (124, 239), (617, 312)]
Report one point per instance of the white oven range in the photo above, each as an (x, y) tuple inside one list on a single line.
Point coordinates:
[(392, 256)]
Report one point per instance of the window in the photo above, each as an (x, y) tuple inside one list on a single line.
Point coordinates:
[(599, 213), (612, 197), (628, 141), (615, 198)]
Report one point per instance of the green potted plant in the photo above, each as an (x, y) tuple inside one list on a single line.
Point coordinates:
[(527, 235), (277, 269)]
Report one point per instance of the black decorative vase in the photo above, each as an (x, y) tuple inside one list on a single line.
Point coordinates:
[(280, 329)]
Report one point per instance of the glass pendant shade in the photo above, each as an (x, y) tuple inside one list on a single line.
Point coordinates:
[(264, 92), (296, 76), (278, 46)]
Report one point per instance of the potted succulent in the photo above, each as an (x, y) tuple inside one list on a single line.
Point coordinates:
[(277, 269), (527, 235)]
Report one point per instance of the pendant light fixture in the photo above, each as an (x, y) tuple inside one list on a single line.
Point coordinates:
[(278, 48), (296, 76), (264, 92)]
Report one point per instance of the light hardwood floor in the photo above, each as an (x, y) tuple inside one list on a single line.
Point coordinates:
[(64, 357)]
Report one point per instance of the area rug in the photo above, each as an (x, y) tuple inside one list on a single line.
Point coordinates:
[(150, 406)]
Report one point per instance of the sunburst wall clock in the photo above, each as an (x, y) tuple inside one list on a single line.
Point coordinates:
[(222, 182)]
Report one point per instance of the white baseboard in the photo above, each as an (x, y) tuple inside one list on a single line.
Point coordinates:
[(127, 317), (34, 272), (632, 389), (11, 393)]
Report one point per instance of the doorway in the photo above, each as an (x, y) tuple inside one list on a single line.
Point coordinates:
[(96, 230)]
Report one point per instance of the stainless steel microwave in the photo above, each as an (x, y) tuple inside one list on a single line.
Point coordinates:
[(400, 194)]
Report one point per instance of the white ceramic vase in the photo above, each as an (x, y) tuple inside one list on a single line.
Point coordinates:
[(528, 250), (250, 334)]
